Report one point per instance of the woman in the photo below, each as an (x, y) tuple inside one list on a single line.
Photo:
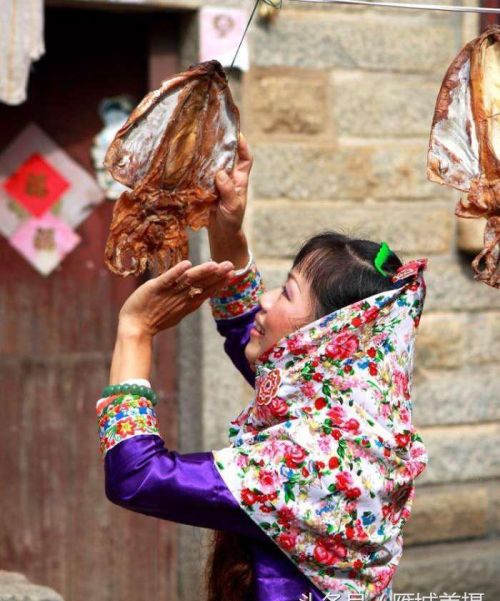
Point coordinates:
[(309, 500)]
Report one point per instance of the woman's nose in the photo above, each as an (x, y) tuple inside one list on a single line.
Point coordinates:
[(268, 298)]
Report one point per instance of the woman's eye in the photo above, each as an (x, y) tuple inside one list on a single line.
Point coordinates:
[(283, 291)]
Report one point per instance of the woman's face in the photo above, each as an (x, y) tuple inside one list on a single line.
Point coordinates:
[(282, 310)]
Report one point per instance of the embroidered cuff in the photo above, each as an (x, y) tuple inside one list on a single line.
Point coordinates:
[(125, 416), (239, 296)]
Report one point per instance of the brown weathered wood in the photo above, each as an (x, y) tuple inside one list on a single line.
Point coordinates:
[(487, 19), (56, 340)]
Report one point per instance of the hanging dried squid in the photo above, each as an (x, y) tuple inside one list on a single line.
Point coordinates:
[(464, 147), (168, 153)]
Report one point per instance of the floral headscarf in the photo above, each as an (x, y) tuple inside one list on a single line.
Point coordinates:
[(325, 456)]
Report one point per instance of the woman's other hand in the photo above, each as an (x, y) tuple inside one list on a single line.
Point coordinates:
[(162, 302), (225, 229)]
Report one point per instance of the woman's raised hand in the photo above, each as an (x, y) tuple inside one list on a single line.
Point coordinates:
[(228, 213), (225, 232), (162, 302)]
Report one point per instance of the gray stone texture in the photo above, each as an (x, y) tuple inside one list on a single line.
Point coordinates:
[(378, 170), (16, 587), (451, 286), (494, 510), (483, 339), (288, 101), (369, 105), (456, 396), (441, 340), (460, 568), (335, 40), (414, 228), (461, 453), (432, 521), (470, 235)]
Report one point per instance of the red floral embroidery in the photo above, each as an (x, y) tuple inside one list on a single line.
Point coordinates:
[(344, 345), (287, 541), (403, 439), (295, 456), (320, 403), (278, 407), (331, 555), (333, 463), (268, 387), (248, 497), (285, 516)]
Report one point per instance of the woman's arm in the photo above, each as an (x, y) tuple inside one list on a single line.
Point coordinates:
[(225, 228), (142, 475), (132, 355), (234, 306)]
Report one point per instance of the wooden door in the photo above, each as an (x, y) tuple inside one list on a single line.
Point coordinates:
[(57, 335), (489, 19)]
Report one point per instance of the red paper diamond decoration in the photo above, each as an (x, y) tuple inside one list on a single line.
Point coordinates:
[(36, 185)]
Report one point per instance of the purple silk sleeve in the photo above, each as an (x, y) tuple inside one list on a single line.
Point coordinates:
[(143, 476), (236, 332)]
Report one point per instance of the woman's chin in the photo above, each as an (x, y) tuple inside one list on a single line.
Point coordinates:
[(252, 351)]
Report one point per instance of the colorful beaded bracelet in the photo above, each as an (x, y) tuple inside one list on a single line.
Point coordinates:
[(144, 391)]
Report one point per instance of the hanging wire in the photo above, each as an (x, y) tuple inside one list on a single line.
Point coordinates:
[(457, 9), (273, 3)]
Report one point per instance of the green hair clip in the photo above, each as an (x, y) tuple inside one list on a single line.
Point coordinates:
[(382, 256)]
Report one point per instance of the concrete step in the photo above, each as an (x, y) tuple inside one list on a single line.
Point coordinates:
[(16, 587)]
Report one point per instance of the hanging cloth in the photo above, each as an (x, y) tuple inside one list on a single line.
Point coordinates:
[(325, 456), (21, 42)]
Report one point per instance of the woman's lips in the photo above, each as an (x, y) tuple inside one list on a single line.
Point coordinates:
[(255, 332)]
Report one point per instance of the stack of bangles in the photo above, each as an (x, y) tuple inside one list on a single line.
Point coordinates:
[(144, 391)]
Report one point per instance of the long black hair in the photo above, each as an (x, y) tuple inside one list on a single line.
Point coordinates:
[(341, 270)]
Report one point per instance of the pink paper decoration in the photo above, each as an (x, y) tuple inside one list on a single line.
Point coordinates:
[(221, 30), (40, 181), (44, 242)]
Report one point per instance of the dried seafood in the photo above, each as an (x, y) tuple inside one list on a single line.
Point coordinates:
[(464, 147), (168, 152)]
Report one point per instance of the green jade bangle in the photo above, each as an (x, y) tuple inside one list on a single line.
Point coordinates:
[(144, 391)]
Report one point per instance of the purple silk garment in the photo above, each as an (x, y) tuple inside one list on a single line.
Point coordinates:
[(236, 332), (142, 475)]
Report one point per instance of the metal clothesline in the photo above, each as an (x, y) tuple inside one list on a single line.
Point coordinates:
[(453, 8)]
